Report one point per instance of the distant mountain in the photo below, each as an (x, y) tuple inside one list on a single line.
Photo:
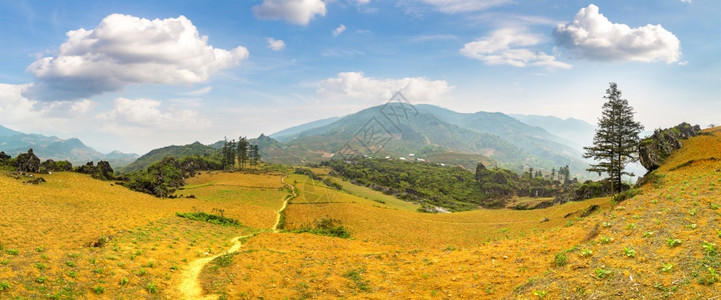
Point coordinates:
[(287, 134), (428, 131), (175, 151), (51, 147), (4, 131), (579, 132)]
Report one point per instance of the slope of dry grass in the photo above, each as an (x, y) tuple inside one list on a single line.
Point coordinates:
[(47, 229)]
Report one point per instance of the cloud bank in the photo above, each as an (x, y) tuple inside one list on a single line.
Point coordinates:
[(509, 46), (356, 86), (124, 50), (592, 36)]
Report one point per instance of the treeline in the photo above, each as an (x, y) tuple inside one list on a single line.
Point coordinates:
[(451, 188), (239, 154)]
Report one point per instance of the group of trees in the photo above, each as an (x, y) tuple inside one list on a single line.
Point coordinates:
[(239, 153)]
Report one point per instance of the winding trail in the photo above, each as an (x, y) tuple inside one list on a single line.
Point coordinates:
[(190, 287)]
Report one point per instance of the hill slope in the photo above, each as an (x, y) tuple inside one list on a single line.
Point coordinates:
[(662, 244), (289, 133), (156, 155)]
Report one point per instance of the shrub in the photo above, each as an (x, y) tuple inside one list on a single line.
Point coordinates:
[(327, 227), (210, 218), (622, 196), (560, 259)]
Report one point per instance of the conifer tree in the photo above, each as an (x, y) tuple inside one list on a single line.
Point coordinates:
[(615, 144), (242, 151)]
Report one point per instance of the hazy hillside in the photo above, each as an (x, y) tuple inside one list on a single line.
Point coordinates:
[(579, 132), (51, 147), (4, 131), (288, 133), (503, 139), (175, 151)]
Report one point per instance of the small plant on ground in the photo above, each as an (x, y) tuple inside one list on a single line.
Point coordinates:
[(356, 276), (673, 242), (99, 290), (586, 253), (602, 273), (708, 278), (648, 234), (560, 259), (606, 240), (666, 268), (709, 248), (4, 285), (540, 294), (41, 279), (151, 288), (629, 252), (124, 281)]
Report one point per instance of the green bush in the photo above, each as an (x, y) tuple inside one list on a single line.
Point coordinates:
[(210, 218), (327, 227), (626, 195)]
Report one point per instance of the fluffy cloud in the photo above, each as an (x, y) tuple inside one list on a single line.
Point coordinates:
[(507, 46), (275, 45), (339, 30), (592, 36), (461, 6), (298, 12), (142, 116), (125, 50), (356, 86)]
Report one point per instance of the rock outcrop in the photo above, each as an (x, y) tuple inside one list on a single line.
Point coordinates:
[(27, 162), (654, 149)]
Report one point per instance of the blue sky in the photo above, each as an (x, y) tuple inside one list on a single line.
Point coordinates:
[(137, 75)]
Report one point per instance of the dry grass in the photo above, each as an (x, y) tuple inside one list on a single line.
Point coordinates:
[(47, 230)]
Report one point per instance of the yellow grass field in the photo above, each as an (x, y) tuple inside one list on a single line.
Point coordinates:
[(621, 251), (47, 229)]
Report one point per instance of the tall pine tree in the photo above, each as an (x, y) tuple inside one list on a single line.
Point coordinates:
[(615, 144)]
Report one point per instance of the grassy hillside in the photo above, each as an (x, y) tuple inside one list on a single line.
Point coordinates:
[(77, 237), (157, 155)]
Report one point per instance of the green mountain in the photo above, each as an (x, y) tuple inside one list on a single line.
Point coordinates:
[(51, 147), (156, 155), (425, 131), (286, 134)]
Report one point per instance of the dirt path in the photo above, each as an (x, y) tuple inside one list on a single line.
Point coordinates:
[(190, 287), (285, 204)]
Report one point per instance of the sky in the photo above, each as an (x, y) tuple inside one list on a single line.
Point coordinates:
[(138, 75)]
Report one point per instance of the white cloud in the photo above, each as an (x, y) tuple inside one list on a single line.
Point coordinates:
[(461, 6), (592, 36), (338, 30), (508, 46), (144, 116), (687, 1), (275, 45), (125, 50), (298, 12), (360, 2), (356, 86), (18, 111)]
